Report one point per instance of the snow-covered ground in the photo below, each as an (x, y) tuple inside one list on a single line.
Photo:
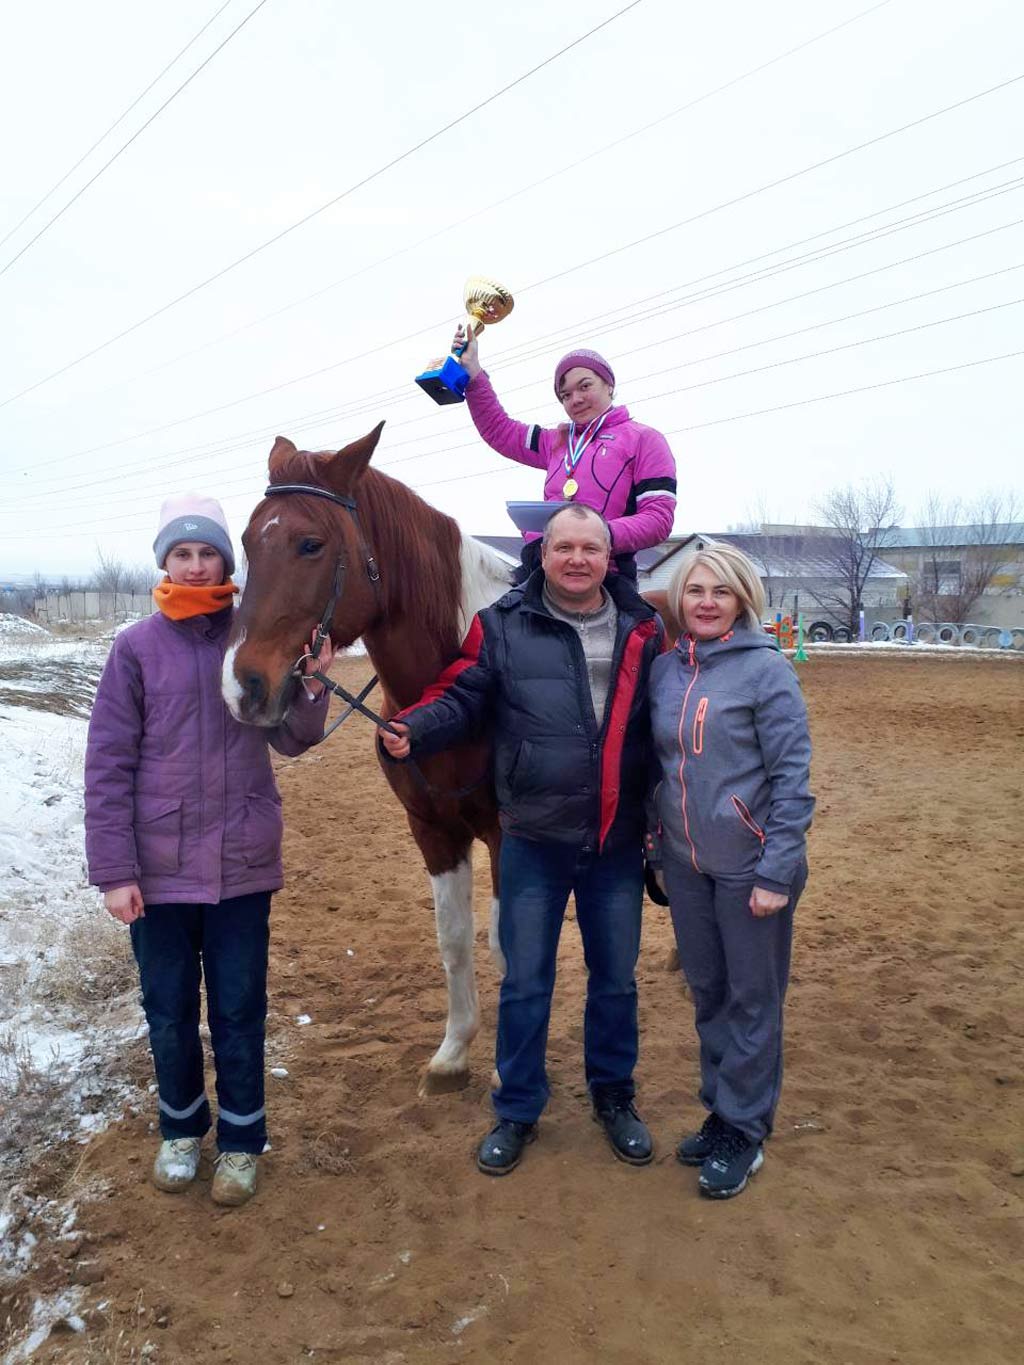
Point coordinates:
[(62, 1021)]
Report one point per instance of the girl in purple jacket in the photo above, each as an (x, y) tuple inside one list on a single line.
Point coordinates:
[(600, 457), (183, 837)]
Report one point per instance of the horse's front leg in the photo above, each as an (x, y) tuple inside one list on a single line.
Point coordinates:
[(448, 1069)]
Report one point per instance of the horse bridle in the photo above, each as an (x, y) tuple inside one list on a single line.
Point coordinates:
[(354, 703)]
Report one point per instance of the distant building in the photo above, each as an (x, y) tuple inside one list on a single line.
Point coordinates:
[(940, 562)]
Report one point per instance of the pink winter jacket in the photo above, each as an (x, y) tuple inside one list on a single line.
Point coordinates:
[(628, 473), (179, 796)]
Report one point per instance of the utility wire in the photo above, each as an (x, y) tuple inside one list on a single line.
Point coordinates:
[(721, 379), (386, 466), (762, 412), (460, 223), (120, 119), (330, 203), (366, 403), (676, 431), (370, 403), (138, 133)]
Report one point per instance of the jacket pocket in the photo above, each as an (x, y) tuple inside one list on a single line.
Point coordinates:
[(158, 835), (697, 745), (264, 826), (747, 818)]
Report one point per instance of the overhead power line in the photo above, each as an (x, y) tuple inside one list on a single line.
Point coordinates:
[(763, 412), (117, 518), (330, 203), (460, 223), (137, 134), (119, 120), (676, 431), (542, 345), (246, 479)]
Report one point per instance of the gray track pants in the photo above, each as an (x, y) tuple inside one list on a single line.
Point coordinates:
[(737, 968)]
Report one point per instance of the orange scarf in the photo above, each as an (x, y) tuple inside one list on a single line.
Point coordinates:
[(179, 601)]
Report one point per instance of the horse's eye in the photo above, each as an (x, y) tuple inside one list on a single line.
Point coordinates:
[(310, 546)]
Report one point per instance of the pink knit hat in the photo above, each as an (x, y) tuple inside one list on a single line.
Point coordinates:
[(585, 360), (191, 516)]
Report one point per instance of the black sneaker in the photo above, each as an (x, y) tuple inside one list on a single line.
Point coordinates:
[(625, 1129), (695, 1148), (732, 1162), (502, 1149)]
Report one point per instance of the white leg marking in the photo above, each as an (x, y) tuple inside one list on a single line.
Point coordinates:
[(485, 578), (453, 909), (229, 685), (497, 956)]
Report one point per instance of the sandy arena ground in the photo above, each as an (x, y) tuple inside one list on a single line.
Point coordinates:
[(886, 1226)]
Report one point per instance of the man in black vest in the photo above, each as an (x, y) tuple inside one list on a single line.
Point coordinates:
[(557, 670)]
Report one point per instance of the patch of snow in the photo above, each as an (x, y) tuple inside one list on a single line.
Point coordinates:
[(47, 1042), (912, 651), (11, 625), (303, 1019)]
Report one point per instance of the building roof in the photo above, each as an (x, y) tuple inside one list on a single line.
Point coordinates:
[(975, 533), (797, 556)]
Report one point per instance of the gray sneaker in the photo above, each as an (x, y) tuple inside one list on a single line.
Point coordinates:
[(234, 1178), (176, 1163)]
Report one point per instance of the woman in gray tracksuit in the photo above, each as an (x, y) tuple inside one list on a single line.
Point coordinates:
[(732, 809)]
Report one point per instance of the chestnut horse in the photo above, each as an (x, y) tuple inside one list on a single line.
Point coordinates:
[(339, 543)]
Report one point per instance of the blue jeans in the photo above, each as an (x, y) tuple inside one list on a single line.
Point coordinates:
[(175, 945), (536, 879)]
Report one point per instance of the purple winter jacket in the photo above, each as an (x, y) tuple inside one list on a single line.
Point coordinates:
[(179, 796), (627, 473)]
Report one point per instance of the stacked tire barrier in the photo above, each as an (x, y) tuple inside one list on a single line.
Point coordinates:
[(925, 633)]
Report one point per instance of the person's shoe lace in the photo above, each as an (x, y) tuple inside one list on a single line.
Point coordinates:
[(729, 1143), (236, 1162)]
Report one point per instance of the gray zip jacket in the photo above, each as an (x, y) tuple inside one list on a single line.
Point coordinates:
[(731, 738)]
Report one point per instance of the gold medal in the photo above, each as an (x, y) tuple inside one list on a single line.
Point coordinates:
[(570, 488)]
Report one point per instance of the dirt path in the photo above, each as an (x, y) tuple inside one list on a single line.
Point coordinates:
[(886, 1225)]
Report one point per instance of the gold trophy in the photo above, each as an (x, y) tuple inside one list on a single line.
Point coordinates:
[(486, 302)]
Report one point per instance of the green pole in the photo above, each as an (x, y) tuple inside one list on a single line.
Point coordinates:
[(800, 657)]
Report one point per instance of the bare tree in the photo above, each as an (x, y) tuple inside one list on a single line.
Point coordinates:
[(964, 547), (861, 520)]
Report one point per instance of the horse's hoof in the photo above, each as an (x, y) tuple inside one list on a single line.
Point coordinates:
[(672, 961), (442, 1083)]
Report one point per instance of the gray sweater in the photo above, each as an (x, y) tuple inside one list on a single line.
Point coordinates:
[(596, 630)]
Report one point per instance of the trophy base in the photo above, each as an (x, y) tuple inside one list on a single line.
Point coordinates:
[(445, 383)]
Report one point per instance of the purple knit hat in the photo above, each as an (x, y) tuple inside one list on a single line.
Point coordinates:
[(585, 360)]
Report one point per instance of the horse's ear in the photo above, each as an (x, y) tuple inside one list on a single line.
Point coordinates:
[(348, 465), (281, 450)]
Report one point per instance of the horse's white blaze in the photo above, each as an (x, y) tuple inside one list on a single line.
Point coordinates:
[(485, 578), (274, 521), (453, 910), (493, 940), (230, 687)]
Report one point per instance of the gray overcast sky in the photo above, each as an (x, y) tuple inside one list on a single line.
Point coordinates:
[(312, 96)]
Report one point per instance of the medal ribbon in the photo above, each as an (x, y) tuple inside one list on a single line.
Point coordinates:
[(574, 447)]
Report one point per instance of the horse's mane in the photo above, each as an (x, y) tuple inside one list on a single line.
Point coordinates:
[(417, 548)]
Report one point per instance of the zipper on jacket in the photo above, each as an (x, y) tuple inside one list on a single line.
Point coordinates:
[(747, 818), (698, 726), (682, 752)]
